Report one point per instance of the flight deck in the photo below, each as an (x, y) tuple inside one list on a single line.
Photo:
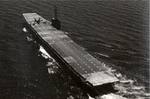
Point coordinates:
[(80, 61)]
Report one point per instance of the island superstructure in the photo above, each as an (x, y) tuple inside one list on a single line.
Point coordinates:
[(83, 66)]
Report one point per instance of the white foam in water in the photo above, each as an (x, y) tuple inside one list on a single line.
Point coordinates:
[(50, 64), (51, 71), (44, 53), (52, 67), (89, 97), (118, 75), (125, 86), (111, 96), (129, 81), (138, 87), (70, 97), (29, 39), (104, 55), (24, 30)]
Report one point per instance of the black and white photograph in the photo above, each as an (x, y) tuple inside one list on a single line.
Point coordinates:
[(74, 49)]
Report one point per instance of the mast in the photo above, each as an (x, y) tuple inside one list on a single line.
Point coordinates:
[(55, 22), (55, 12)]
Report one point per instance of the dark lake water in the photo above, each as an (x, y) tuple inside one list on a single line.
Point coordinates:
[(115, 31)]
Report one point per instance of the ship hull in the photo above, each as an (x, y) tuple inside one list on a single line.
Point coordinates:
[(80, 81), (88, 72)]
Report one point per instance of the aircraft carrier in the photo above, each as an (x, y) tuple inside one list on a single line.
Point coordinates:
[(86, 69)]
